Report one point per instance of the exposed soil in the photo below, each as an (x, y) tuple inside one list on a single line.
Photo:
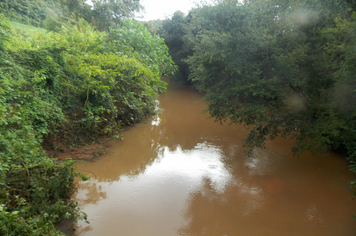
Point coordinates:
[(87, 152), (66, 226), (75, 142)]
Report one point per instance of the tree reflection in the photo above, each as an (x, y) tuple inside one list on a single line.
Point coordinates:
[(212, 212), (90, 192)]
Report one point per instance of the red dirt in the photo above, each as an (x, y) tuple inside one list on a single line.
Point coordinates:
[(87, 152)]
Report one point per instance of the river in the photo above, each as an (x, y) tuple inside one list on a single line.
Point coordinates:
[(182, 174)]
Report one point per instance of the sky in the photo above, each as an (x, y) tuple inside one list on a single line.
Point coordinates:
[(162, 9)]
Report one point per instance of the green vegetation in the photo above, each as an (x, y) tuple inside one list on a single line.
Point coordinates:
[(281, 67), (28, 12), (174, 31), (278, 66), (51, 14), (27, 29), (68, 86)]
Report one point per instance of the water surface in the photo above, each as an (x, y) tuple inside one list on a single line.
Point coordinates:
[(182, 174)]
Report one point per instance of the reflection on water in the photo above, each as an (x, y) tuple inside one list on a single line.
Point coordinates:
[(183, 174)]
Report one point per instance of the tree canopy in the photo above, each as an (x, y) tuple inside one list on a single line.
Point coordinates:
[(280, 67)]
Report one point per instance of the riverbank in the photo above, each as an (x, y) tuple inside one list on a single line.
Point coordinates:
[(85, 152)]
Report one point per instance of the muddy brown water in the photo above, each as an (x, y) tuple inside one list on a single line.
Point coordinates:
[(182, 174)]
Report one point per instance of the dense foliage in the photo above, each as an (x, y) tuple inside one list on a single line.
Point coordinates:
[(66, 87), (280, 66), (32, 12), (109, 13), (35, 190), (51, 14), (174, 31), (134, 40)]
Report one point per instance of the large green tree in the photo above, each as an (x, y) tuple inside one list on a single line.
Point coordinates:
[(276, 66), (109, 13)]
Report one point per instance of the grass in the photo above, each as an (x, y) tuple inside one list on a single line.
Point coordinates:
[(27, 29)]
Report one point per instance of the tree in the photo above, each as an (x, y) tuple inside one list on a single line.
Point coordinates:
[(134, 40), (173, 31), (76, 8), (262, 63), (109, 13)]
